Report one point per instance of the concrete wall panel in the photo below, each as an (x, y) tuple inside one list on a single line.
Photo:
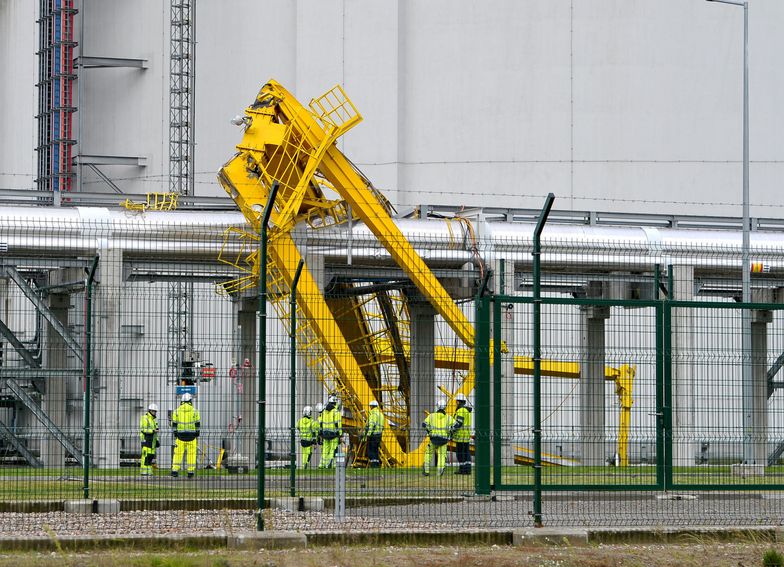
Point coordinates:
[(18, 95)]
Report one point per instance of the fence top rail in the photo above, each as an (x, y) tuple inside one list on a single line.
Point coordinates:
[(501, 299)]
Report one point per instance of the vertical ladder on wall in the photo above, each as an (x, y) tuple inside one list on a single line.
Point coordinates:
[(55, 96), (181, 96)]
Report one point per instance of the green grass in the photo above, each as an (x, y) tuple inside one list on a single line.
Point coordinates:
[(640, 475), (26, 484)]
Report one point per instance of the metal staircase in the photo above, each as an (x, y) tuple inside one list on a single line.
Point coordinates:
[(44, 310), (41, 416), (18, 446)]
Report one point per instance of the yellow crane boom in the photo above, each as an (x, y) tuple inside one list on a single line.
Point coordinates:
[(294, 146)]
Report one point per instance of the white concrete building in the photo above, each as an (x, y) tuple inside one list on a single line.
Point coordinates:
[(612, 105)]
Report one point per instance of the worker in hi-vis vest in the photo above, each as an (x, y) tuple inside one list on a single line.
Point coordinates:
[(461, 434), (330, 430), (438, 425), (186, 423), (374, 429), (308, 435), (148, 432)]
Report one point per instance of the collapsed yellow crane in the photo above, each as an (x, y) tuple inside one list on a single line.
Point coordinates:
[(462, 359), (356, 342)]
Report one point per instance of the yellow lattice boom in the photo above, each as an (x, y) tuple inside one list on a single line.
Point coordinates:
[(356, 343)]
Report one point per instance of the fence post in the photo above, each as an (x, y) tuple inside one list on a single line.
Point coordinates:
[(340, 479), (497, 397), (482, 386), (87, 384), (660, 444), (293, 375), (537, 340), (667, 386), (261, 449)]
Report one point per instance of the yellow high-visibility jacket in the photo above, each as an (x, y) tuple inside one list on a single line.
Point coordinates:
[(375, 422), (462, 425), (437, 426), (331, 423), (186, 422)]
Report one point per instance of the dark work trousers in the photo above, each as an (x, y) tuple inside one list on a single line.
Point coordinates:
[(463, 457), (373, 443)]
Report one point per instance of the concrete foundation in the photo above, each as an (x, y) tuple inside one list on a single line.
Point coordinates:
[(299, 504), (267, 540), (107, 506), (744, 470), (81, 506)]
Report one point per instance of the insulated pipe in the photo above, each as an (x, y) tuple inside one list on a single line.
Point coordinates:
[(81, 231), (189, 234), (606, 247)]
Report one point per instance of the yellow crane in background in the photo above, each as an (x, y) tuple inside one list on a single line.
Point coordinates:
[(357, 343)]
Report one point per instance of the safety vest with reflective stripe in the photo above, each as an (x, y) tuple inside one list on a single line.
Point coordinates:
[(438, 424), (308, 429), (463, 433), (330, 421), (147, 425), (375, 422), (186, 419)]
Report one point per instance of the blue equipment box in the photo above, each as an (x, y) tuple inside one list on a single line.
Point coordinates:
[(186, 390)]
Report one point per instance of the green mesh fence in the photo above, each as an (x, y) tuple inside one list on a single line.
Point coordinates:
[(652, 412)]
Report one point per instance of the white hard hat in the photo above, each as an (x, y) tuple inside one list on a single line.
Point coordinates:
[(186, 397), (441, 404), (373, 403), (319, 407), (307, 410), (333, 399), (460, 397), (152, 407)]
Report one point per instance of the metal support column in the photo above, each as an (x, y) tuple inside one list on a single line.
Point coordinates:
[(760, 319), (52, 451), (683, 444), (423, 388), (592, 382), (106, 444)]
